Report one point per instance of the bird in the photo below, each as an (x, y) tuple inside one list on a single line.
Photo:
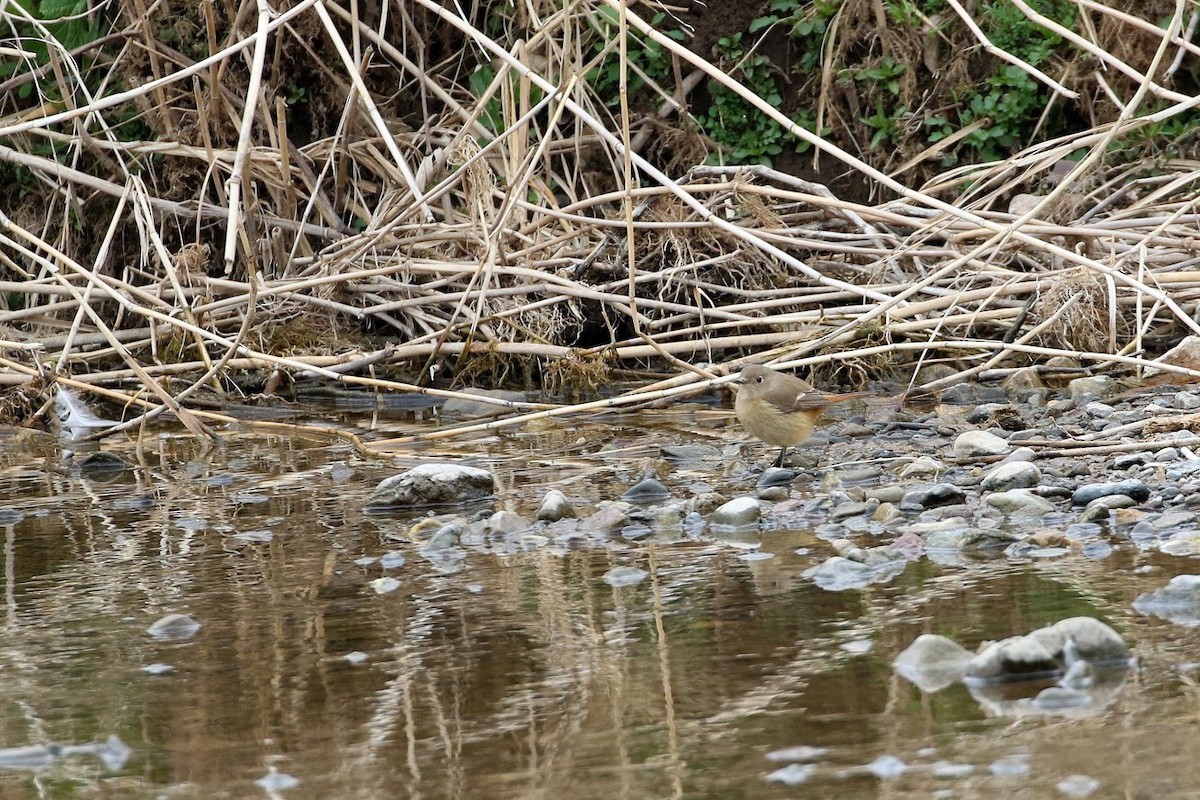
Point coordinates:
[(781, 409)]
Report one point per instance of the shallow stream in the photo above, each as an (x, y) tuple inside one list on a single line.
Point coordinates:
[(520, 672)]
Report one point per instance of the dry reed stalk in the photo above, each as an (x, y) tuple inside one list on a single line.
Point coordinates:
[(450, 236)]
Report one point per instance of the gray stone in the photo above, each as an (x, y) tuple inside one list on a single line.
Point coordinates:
[(979, 443), (838, 574), (1021, 454), (932, 662), (432, 484), (775, 477), (1099, 410), (852, 509), (465, 407), (938, 494), (1083, 638), (1014, 658), (555, 506), (1130, 488), (737, 513), (705, 503), (1023, 381), (1186, 400), (625, 576), (1099, 509), (609, 518), (649, 490), (503, 523), (1013, 475), (690, 453), (1019, 502), (1178, 601), (174, 628), (1097, 386)]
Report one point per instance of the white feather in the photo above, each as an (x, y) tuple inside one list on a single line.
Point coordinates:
[(74, 415)]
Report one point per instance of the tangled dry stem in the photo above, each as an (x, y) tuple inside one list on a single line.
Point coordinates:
[(492, 230)]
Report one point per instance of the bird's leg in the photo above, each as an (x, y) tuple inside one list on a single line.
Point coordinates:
[(779, 461)]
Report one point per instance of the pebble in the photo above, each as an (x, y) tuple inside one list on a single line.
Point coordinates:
[(937, 494), (555, 506), (737, 513), (650, 490), (1019, 502), (971, 444), (625, 576), (432, 484), (174, 628), (1133, 488), (932, 662), (1013, 475), (1097, 386)]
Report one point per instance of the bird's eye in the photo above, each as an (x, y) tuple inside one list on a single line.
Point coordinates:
[(759, 379)]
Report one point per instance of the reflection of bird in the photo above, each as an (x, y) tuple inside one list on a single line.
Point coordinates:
[(779, 408)]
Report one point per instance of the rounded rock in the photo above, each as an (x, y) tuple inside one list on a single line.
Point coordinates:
[(739, 512), (174, 628), (1013, 475), (432, 484), (979, 443), (555, 506)]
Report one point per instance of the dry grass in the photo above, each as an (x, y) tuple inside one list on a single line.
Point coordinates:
[(507, 233)]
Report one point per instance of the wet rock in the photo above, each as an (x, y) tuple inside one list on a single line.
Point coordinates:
[(174, 628), (887, 767), (555, 506), (1023, 381), (971, 444), (10, 515), (690, 453), (1019, 502), (1058, 698), (791, 775), (385, 585), (938, 494), (852, 509), (1050, 650), (1133, 488), (609, 518), (1124, 462), (625, 576), (1182, 543), (932, 662), (776, 477), (705, 503), (1015, 658), (503, 523), (1178, 601), (1078, 785), (972, 394), (1184, 354), (1020, 455), (802, 752), (1083, 638), (922, 466), (649, 490), (838, 574), (886, 512), (1099, 509), (1188, 401), (467, 408), (1014, 475), (432, 484), (100, 462), (737, 513), (1096, 386)]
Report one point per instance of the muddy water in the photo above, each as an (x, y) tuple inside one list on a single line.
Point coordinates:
[(522, 675)]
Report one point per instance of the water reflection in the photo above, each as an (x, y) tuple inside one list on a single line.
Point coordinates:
[(523, 674)]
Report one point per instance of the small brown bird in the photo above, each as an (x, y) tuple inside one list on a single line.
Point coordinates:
[(779, 408)]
